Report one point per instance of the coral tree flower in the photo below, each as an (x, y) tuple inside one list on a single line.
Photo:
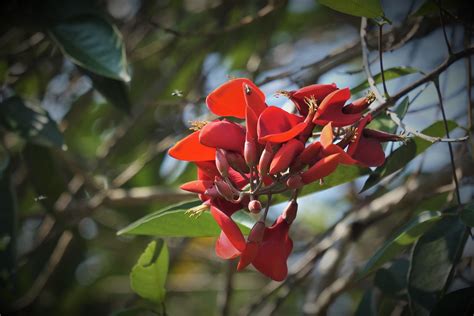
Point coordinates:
[(268, 152)]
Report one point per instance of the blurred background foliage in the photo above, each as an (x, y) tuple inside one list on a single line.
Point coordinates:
[(93, 93)]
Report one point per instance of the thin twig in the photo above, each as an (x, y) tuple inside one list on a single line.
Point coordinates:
[(381, 61), (443, 26), (451, 155), (394, 117), (365, 60)]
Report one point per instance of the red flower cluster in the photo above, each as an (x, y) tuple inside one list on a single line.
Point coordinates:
[(239, 164)]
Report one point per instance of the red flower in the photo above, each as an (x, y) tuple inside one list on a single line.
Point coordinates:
[(331, 110), (317, 92)]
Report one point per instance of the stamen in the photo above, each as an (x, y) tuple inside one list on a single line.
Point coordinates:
[(197, 125), (247, 90), (312, 103), (197, 211), (370, 97), (283, 93)]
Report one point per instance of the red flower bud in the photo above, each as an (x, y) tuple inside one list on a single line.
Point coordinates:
[(289, 214), (381, 136), (237, 162), (265, 160), (225, 190), (321, 169), (221, 163), (357, 106), (294, 182), (255, 206), (250, 152), (285, 155)]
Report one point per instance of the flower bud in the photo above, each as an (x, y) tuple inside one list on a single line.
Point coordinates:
[(225, 190), (250, 152), (381, 136), (285, 155), (237, 162), (265, 160), (255, 206), (221, 163), (289, 214), (294, 182), (357, 106)]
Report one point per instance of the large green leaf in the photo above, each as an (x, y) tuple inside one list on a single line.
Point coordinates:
[(173, 221), (405, 153), (343, 174), (389, 74), (432, 261), (93, 43), (31, 122), (148, 276), (393, 279), (383, 122), (367, 8), (115, 91), (406, 236)]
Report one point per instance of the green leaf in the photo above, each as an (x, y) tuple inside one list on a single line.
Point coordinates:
[(405, 153), (8, 223), (92, 43), (432, 261), (367, 8), (148, 276), (467, 215), (31, 122), (392, 280), (391, 73), (406, 236), (383, 122), (173, 221), (115, 91), (342, 174), (134, 311), (459, 302)]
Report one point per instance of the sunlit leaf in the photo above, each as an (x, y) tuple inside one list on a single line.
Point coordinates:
[(93, 43), (390, 74), (174, 222), (405, 153), (31, 122), (148, 276), (432, 261), (367, 8), (406, 236)]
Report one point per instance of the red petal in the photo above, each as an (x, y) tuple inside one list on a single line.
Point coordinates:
[(224, 247), (229, 227), (381, 136), (228, 99), (331, 110), (207, 170), (223, 134), (274, 251), (317, 91), (327, 135), (248, 255), (190, 149), (278, 126), (197, 186), (311, 153), (369, 152), (344, 157), (285, 155), (254, 106), (321, 169)]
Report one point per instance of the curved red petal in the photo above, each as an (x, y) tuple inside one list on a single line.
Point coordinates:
[(285, 155), (344, 157), (369, 152), (248, 255), (274, 251), (311, 153), (321, 169), (228, 99), (316, 91), (229, 227), (223, 134), (330, 110), (254, 106), (224, 248), (207, 170), (197, 186), (278, 126), (190, 149), (358, 135), (327, 135)]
